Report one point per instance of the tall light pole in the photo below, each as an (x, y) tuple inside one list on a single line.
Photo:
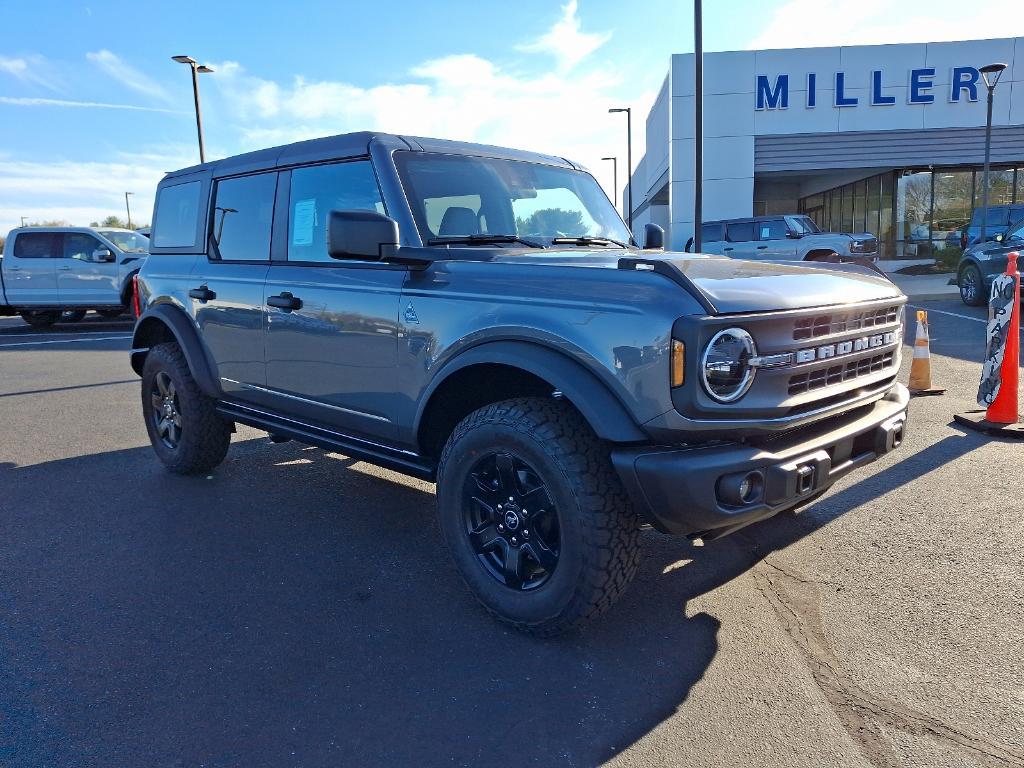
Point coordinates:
[(629, 163), (23, 220), (615, 175), (990, 83), (698, 115), (128, 208), (197, 70)]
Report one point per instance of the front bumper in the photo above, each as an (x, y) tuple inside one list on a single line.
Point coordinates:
[(693, 490)]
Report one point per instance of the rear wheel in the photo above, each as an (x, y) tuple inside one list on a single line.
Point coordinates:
[(110, 314), (535, 517), (40, 318), (184, 428), (72, 315), (972, 291)]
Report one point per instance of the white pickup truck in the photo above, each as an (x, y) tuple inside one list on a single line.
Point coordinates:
[(54, 274)]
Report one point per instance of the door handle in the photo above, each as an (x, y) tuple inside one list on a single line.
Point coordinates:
[(761, 247), (202, 293), (285, 301), (64, 269), (728, 249)]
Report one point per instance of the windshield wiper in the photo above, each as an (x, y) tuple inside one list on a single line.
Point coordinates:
[(586, 240), (482, 240)]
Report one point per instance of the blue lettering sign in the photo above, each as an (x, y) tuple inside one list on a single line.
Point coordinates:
[(920, 82), (772, 98), (842, 100), (877, 99), (812, 92), (964, 79)]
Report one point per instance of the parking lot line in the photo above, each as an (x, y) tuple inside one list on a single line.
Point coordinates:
[(63, 341), (951, 314), (52, 335)]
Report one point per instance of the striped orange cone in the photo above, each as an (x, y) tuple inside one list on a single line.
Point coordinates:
[(921, 365)]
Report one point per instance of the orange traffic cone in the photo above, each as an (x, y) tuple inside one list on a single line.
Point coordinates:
[(1001, 377), (921, 366), (1005, 409)]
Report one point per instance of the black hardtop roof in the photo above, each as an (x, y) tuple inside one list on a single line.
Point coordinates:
[(354, 145)]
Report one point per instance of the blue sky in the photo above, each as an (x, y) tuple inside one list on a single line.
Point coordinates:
[(92, 106)]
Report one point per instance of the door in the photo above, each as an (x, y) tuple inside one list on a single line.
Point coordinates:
[(740, 240), (773, 241), (332, 325), (85, 276), (30, 269), (226, 289)]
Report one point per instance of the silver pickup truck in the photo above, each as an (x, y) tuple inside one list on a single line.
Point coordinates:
[(50, 274), (785, 238)]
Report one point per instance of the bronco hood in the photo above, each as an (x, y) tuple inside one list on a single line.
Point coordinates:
[(735, 285)]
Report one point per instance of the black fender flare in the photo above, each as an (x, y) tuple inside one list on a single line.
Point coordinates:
[(180, 326), (605, 412), (127, 288)]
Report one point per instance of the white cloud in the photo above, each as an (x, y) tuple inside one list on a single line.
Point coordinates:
[(815, 23), (565, 41), (30, 69), (118, 69), (29, 101)]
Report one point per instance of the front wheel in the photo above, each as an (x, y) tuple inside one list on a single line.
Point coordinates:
[(971, 286), (40, 318), (184, 428), (535, 517)]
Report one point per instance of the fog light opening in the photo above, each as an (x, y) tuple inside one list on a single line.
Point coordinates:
[(741, 490)]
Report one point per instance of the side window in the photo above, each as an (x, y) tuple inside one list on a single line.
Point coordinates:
[(177, 216), (711, 233), (243, 212), (775, 229), (78, 245), (37, 245), (741, 232), (316, 191)]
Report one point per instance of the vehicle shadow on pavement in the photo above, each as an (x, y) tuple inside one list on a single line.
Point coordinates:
[(290, 610)]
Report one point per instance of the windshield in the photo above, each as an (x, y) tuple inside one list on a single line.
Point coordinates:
[(457, 196), (803, 224), (129, 242)]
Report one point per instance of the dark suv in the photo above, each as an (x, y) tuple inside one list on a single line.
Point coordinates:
[(482, 317)]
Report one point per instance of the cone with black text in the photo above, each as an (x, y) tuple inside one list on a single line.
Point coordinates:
[(921, 366)]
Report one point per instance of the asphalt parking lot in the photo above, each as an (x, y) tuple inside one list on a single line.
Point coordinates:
[(295, 608)]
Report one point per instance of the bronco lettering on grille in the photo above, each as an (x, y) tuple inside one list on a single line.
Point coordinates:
[(848, 347)]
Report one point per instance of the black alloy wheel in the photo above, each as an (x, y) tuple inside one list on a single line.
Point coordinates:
[(971, 291), (511, 521), (165, 413)]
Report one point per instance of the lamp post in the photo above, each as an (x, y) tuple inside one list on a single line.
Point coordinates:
[(990, 83), (197, 70), (128, 208), (615, 175), (629, 163), (698, 116)]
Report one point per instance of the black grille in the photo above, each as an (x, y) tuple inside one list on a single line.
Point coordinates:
[(837, 374), (827, 324)]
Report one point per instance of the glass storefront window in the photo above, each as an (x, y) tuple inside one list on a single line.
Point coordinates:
[(846, 222), (952, 207), (859, 204), (885, 231), (913, 213), (874, 190), (1000, 186)]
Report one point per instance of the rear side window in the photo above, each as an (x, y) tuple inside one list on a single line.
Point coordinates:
[(741, 232), (243, 214), (177, 216), (315, 192), (38, 245), (775, 229), (710, 233)]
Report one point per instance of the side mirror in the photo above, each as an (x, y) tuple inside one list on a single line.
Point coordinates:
[(794, 235), (654, 237), (362, 235), (102, 255)]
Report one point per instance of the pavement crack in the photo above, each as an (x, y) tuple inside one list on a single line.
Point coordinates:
[(795, 601)]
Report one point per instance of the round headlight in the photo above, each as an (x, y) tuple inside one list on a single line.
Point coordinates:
[(726, 368)]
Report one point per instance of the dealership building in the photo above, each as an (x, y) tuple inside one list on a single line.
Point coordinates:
[(887, 139)]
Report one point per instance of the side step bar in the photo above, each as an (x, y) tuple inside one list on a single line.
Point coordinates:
[(400, 461)]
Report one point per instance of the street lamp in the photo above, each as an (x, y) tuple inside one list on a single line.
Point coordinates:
[(615, 175), (990, 83), (128, 208), (629, 163), (197, 70)]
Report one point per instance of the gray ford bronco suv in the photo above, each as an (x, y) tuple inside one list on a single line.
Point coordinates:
[(481, 317)]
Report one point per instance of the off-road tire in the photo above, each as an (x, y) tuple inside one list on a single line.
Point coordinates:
[(205, 436), (599, 530), (40, 318), (73, 315)]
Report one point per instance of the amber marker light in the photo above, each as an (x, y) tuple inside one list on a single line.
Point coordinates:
[(678, 363)]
